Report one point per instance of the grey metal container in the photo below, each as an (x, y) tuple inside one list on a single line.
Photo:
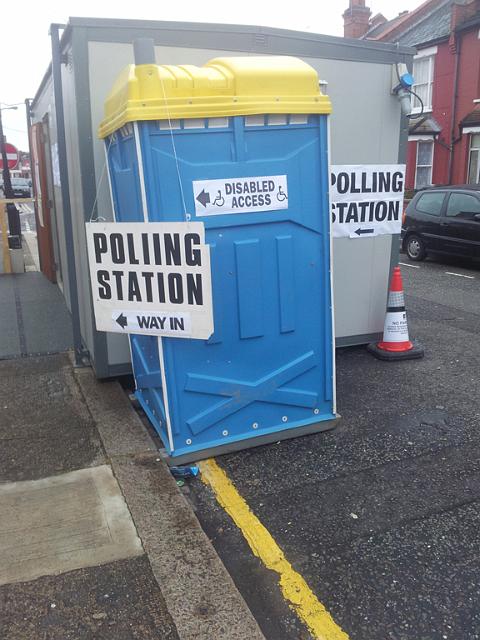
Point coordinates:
[(366, 128)]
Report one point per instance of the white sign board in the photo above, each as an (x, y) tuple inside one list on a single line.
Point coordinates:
[(240, 195), (151, 278), (366, 200), (55, 165)]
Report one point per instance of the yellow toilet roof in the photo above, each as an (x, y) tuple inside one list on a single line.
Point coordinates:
[(223, 87)]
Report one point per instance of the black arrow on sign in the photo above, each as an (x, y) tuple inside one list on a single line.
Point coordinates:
[(203, 198), (122, 320), (361, 232)]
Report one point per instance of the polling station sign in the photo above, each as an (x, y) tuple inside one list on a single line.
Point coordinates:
[(366, 200), (151, 278), (240, 195)]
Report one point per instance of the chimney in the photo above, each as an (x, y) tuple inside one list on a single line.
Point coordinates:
[(356, 19)]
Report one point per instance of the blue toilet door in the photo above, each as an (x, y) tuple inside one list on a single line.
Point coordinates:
[(269, 364)]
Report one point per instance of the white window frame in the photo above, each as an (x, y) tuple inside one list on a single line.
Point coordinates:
[(424, 165), (470, 149), (420, 138), (428, 53)]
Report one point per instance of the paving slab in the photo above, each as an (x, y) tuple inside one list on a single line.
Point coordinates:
[(9, 335), (116, 601), (33, 316), (45, 426), (50, 526), (46, 319)]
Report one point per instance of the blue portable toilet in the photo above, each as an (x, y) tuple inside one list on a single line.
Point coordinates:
[(242, 145)]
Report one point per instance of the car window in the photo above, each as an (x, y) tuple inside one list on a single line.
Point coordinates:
[(462, 205), (431, 203)]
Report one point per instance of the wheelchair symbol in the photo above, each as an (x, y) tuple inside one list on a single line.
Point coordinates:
[(281, 195), (219, 200)]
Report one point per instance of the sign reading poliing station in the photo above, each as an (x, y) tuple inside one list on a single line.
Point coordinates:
[(366, 200), (151, 278)]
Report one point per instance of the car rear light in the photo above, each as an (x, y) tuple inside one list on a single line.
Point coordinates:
[(404, 217)]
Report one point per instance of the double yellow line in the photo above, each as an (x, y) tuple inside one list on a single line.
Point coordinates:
[(294, 588)]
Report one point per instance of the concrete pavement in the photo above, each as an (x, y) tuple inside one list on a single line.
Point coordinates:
[(56, 519), (33, 316), (56, 524), (118, 600), (99, 541)]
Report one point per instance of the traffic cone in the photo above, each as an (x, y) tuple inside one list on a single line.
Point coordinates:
[(396, 344)]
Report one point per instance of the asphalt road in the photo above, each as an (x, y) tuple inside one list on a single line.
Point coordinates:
[(380, 516)]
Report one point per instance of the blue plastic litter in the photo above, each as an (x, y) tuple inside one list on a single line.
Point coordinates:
[(185, 472)]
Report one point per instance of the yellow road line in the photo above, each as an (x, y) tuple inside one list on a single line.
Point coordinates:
[(294, 588)]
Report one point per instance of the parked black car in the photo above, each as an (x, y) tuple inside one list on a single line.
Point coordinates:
[(21, 188), (443, 220)]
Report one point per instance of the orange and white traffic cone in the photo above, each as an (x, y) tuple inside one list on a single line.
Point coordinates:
[(396, 344)]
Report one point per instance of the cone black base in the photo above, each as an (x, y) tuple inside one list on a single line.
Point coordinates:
[(390, 356)]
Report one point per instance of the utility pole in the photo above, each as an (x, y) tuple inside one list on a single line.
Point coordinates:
[(13, 215)]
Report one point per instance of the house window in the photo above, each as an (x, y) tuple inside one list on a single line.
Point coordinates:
[(423, 175), (474, 159), (423, 69)]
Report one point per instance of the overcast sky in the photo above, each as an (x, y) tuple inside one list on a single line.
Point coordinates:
[(25, 44)]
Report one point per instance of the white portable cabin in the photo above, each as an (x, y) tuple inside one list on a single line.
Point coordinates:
[(87, 55)]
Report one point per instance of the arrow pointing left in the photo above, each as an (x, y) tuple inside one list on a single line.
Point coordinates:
[(204, 198), (122, 321), (361, 232)]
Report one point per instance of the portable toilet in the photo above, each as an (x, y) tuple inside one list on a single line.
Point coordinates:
[(240, 144)]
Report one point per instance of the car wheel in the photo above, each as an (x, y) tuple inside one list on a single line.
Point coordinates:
[(415, 248)]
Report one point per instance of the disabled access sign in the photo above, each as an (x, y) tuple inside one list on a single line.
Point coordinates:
[(240, 195)]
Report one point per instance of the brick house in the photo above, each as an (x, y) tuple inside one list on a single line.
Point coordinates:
[(444, 139)]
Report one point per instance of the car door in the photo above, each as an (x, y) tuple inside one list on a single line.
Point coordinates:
[(461, 224), (425, 217)]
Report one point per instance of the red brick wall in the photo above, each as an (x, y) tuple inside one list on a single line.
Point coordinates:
[(411, 164), (443, 86), (441, 103), (468, 90), (442, 109)]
